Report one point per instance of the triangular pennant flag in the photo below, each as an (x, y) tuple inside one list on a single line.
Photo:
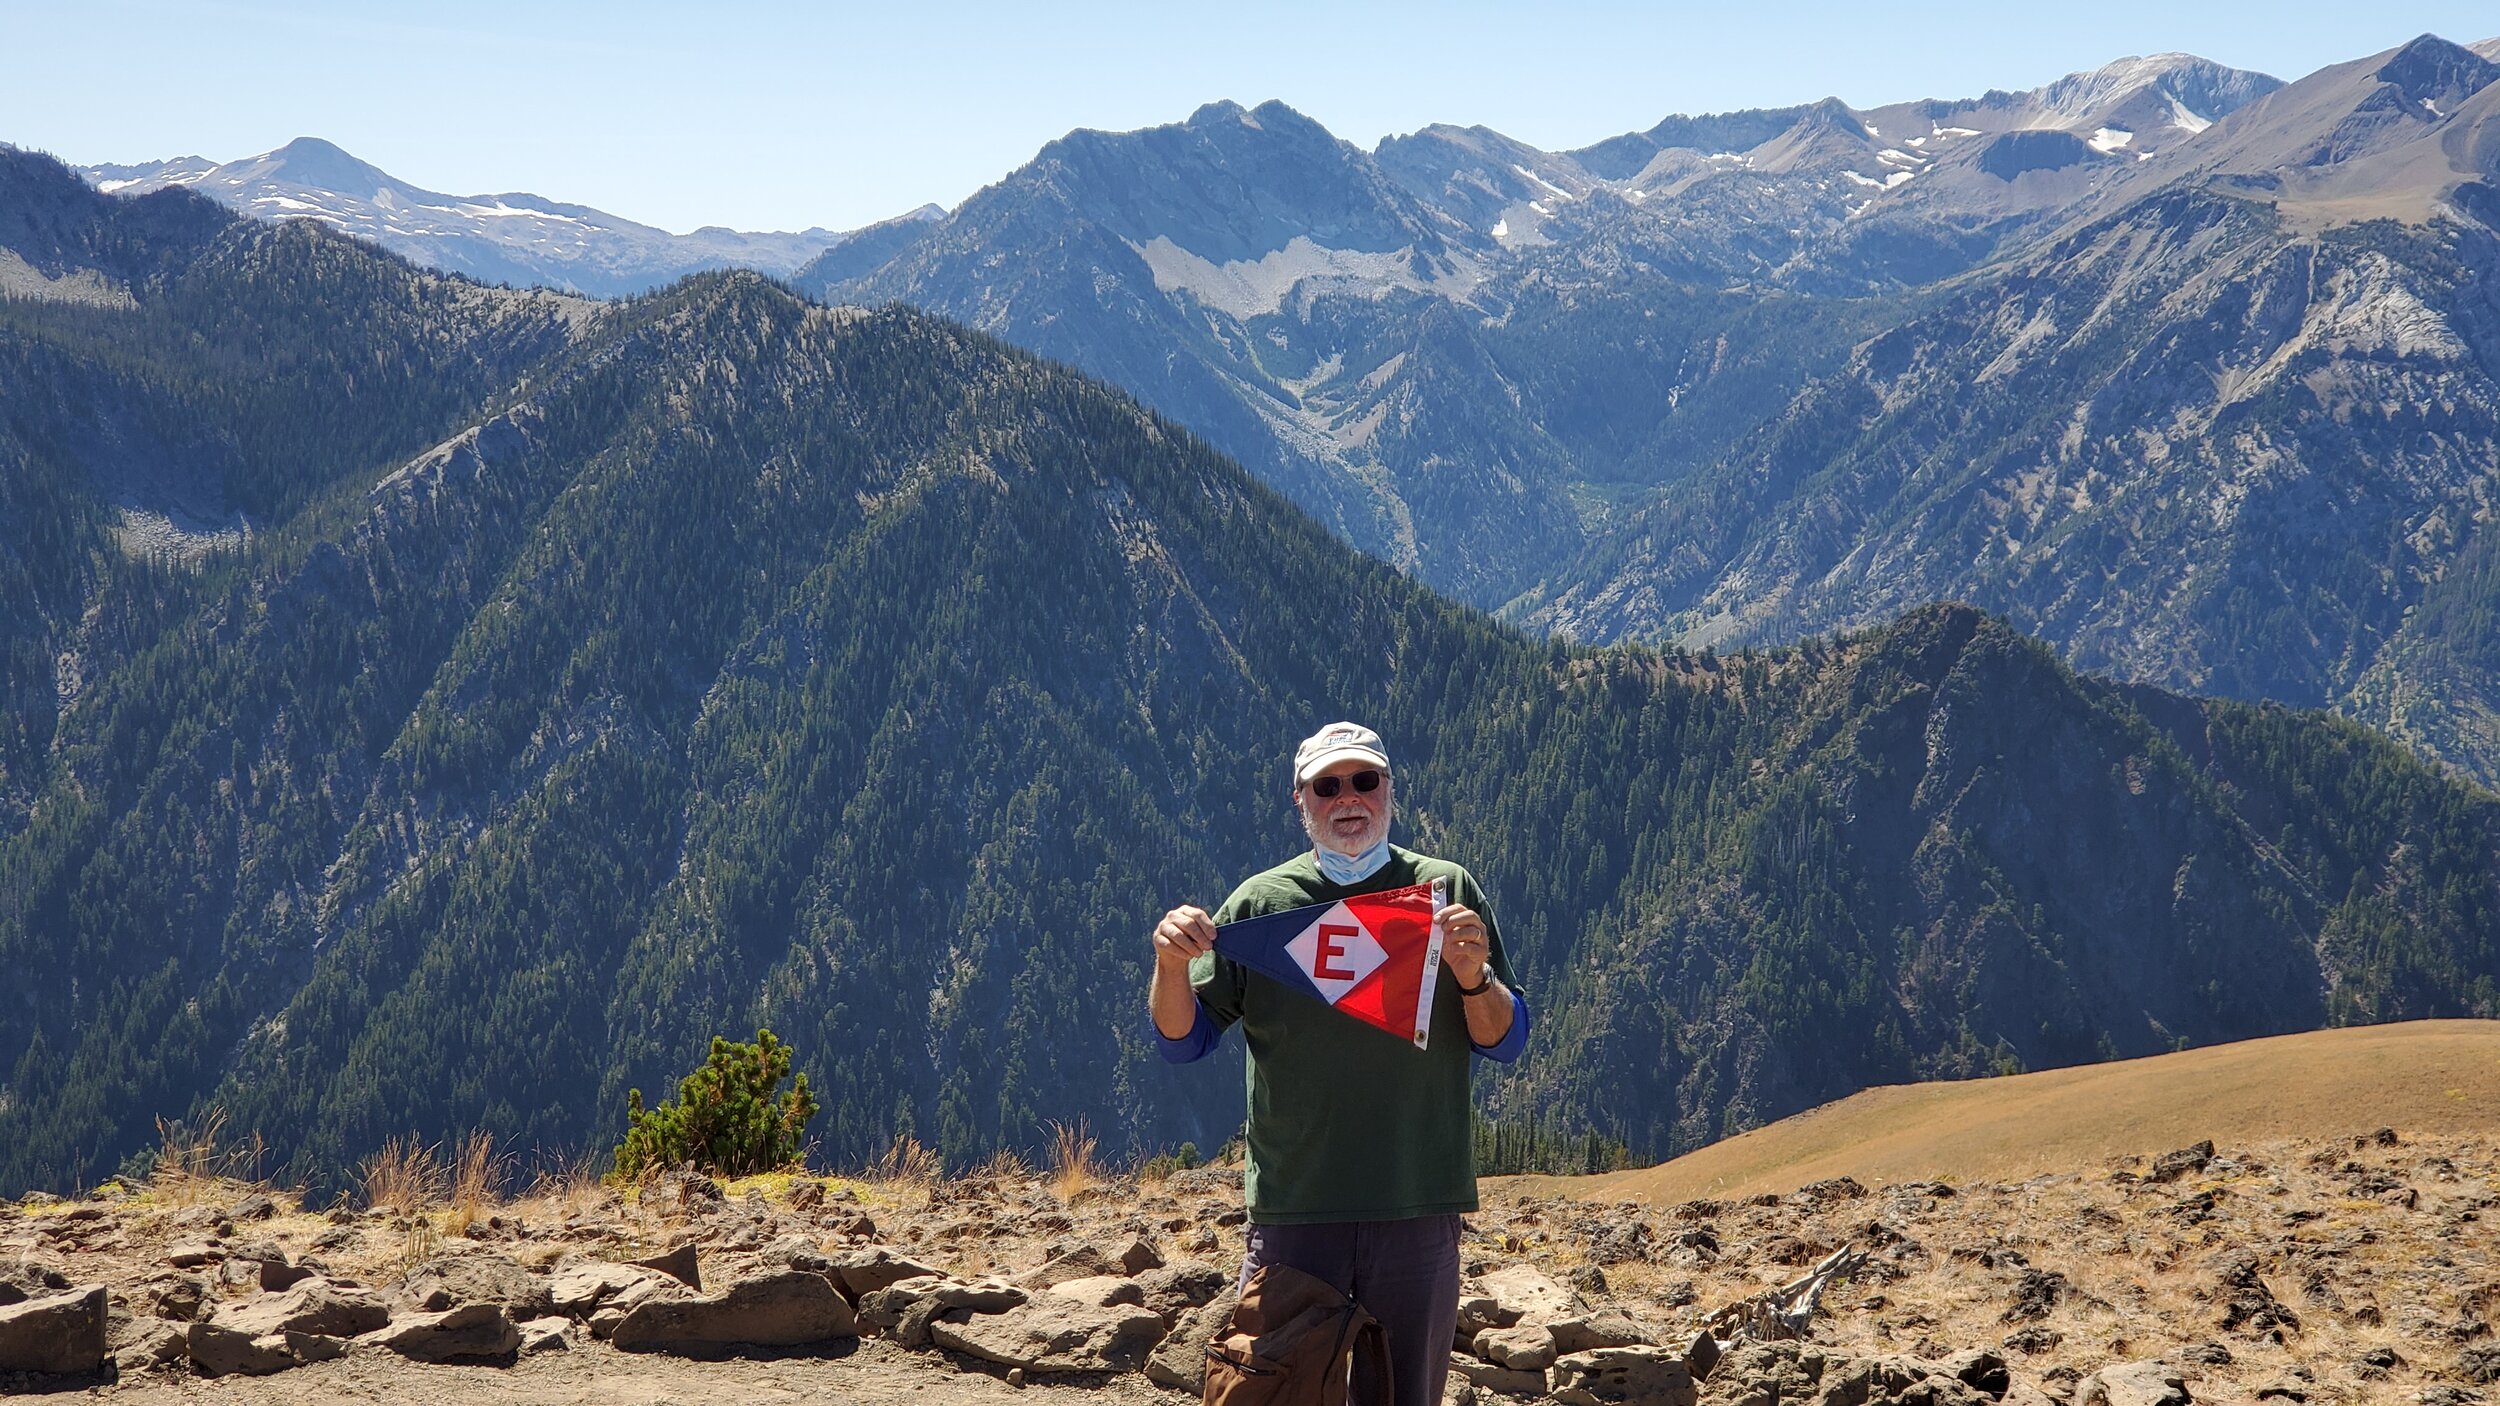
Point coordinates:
[(1374, 956)]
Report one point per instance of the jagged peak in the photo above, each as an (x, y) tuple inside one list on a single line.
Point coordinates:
[(2433, 69), (1221, 110), (1833, 114)]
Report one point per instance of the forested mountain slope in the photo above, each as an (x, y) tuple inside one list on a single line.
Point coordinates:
[(2226, 437), (577, 685)]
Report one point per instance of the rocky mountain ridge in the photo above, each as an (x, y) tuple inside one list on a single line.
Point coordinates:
[(513, 237), (1635, 391)]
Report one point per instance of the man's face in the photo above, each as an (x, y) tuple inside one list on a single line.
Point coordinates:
[(1351, 821)]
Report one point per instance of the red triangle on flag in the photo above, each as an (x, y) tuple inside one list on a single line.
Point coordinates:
[(1397, 995)]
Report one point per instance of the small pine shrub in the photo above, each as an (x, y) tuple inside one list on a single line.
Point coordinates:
[(726, 1119), (1162, 1165)]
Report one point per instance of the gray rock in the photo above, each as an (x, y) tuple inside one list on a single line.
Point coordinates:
[(1529, 1347), (150, 1343), (2170, 1166), (1181, 1286), (472, 1332), (796, 1252), (546, 1335), (258, 1252), (887, 1307), (277, 1275), (1105, 1291), (58, 1333), (315, 1307), (1980, 1368), (1526, 1295), (1079, 1262), (1138, 1256), (2249, 1307), (579, 1290), (1511, 1380), (1053, 1334), (1622, 1376), (679, 1264), (786, 1309), (864, 1271), (202, 1220), (1605, 1327), (2134, 1384), (1702, 1354), (1477, 1312), (477, 1277), (252, 1207), (219, 1351), (26, 1277), (657, 1288), (1789, 1371), (179, 1297), (1180, 1360), (194, 1254)]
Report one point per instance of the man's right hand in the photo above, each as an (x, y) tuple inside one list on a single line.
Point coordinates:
[(1184, 932)]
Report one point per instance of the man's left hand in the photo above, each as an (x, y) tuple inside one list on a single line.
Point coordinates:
[(1463, 943)]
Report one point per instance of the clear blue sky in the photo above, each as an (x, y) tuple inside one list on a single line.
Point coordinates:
[(767, 115)]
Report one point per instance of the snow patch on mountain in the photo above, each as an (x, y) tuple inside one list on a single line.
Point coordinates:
[(1248, 288)]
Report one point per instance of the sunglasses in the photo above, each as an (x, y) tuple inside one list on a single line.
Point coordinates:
[(1327, 787)]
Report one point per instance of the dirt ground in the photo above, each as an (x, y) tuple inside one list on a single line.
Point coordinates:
[(868, 1373)]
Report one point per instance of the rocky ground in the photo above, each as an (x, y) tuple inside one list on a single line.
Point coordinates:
[(2303, 1272)]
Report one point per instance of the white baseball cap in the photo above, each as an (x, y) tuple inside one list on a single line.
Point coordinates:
[(1335, 743)]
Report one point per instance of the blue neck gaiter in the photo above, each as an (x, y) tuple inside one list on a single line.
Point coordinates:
[(1351, 868)]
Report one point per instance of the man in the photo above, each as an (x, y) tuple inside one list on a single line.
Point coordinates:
[(1361, 1147)]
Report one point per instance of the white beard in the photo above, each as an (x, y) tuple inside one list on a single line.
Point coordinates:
[(1315, 828)]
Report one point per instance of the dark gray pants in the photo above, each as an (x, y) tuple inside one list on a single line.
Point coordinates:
[(1403, 1272)]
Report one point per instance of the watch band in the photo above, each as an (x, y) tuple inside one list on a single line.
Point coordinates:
[(1480, 987)]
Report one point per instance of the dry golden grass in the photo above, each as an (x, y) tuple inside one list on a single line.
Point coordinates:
[(1072, 1167), (1006, 1165), (477, 1181), (908, 1162), (405, 1178), (569, 1186), (2430, 1077), (195, 1163)]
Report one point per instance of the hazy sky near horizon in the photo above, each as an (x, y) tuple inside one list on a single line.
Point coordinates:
[(762, 115)]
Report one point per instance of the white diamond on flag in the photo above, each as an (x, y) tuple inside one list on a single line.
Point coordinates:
[(1336, 952)]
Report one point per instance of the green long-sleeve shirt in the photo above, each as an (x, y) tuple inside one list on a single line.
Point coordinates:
[(1347, 1121)]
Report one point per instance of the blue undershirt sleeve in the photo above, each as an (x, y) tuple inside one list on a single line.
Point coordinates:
[(1197, 1044), (1506, 1050)]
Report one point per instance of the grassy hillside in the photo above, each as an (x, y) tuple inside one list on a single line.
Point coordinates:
[(2436, 1077)]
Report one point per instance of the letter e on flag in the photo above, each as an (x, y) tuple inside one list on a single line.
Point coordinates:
[(1336, 952)]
